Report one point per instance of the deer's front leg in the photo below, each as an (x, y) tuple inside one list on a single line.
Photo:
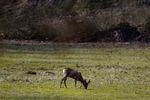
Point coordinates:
[(75, 82), (81, 85)]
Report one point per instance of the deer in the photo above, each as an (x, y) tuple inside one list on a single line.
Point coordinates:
[(74, 74)]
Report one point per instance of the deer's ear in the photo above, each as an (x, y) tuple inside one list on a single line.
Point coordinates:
[(89, 81)]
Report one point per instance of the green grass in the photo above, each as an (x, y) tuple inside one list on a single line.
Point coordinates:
[(50, 91), (116, 73)]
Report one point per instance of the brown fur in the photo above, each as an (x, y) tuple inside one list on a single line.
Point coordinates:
[(74, 74)]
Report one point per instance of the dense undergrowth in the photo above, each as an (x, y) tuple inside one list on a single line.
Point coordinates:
[(73, 20)]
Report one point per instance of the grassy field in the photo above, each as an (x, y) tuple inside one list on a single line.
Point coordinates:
[(116, 73)]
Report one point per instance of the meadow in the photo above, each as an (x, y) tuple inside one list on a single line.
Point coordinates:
[(34, 71)]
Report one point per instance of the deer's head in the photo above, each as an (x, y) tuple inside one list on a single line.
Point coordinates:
[(86, 83)]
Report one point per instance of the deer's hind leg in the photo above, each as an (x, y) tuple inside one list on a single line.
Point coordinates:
[(63, 80)]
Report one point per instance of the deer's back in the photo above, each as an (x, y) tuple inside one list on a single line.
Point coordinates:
[(70, 72)]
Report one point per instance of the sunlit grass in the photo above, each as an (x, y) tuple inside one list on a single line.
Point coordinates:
[(51, 91), (115, 73)]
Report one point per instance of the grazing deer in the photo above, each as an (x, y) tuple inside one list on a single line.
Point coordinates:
[(68, 72)]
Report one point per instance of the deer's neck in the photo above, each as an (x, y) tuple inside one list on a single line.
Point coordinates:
[(81, 79)]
